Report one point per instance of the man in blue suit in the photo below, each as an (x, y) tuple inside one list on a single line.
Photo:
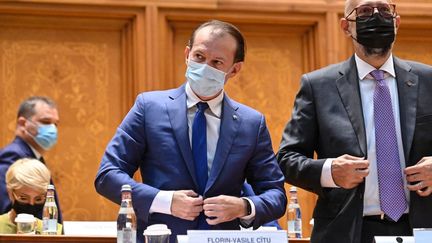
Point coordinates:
[(36, 133), (159, 136)]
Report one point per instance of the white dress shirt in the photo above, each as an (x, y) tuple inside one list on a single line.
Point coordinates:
[(162, 201), (367, 88)]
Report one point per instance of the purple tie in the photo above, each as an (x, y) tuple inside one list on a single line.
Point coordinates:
[(390, 182)]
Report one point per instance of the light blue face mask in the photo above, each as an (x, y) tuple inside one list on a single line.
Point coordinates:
[(46, 136), (203, 79)]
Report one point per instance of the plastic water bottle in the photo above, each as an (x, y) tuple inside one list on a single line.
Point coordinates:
[(294, 215), (50, 213), (126, 220)]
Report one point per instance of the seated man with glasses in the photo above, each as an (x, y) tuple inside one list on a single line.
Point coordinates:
[(368, 120), (26, 183)]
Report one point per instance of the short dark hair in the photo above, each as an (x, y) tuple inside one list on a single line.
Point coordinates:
[(225, 28), (27, 107)]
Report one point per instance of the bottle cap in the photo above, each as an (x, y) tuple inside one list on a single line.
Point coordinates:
[(24, 218), (157, 229), (126, 187), (50, 187), (293, 189)]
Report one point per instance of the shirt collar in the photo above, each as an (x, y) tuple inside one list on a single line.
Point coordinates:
[(35, 152), (214, 104), (365, 68)]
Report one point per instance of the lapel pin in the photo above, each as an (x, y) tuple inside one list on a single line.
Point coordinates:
[(235, 117), (410, 83)]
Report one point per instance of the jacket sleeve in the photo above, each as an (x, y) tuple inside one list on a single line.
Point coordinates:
[(266, 179), (7, 158), (299, 141), (122, 159)]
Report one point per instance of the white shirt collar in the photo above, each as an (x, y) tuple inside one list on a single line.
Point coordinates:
[(365, 68), (214, 104)]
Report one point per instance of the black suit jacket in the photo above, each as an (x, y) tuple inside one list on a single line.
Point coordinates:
[(18, 149), (327, 119)]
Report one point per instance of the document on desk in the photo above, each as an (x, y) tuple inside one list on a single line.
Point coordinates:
[(423, 235), (90, 228)]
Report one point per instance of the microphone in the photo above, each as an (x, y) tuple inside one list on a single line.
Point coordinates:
[(399, 239)]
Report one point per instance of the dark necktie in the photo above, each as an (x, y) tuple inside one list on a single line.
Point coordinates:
[(390, 181), (199, 146), (199, 151)]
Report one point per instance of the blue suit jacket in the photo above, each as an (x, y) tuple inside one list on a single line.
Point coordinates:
[(154, 138), (248, 191), (18, 149)]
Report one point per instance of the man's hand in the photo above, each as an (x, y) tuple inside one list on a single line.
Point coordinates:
[(186, 204), (420, 176), (349, 171), (224, 208)]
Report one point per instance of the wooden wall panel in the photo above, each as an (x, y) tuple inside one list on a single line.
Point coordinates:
[(94, 56), (414, 39), (78, 63)]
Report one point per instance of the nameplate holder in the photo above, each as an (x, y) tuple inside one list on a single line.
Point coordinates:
[(394, 239), (423, 235), (236, 236)]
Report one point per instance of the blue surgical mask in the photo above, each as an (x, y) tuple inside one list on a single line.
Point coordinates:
[(203, 79), (46, 136)]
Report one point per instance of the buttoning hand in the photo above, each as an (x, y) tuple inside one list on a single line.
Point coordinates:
[(223, 209), (349, 171), (420, 177), (186, 204)]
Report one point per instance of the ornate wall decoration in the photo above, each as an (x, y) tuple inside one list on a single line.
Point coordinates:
[(77, 76)]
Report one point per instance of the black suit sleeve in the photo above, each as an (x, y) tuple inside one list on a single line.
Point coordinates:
[(299, 141)]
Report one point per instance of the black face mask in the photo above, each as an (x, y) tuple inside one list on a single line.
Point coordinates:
[(35, 210), (375, 31)]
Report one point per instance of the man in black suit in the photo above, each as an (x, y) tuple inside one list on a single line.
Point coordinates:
[(36, 133), (371, 131)]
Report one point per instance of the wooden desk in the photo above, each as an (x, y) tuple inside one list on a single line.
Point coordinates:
[(76, 239), (298, 240), (56, 238)]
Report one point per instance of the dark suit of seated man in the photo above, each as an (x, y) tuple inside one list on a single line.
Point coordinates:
[(35, 134)]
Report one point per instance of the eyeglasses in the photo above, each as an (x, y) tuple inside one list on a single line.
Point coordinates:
[(367, 11), (25, 199)]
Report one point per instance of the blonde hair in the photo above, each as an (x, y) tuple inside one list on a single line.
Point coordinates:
[(28, 172)]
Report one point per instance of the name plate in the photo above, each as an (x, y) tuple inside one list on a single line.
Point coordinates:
[(236, 236), (423, 235)]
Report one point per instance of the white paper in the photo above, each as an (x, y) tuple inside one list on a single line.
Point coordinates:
[(423, 235), (90, 228)]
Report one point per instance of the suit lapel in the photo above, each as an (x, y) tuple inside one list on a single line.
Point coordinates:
[(177, 111), (349, 92), (230, 122), (407, 84), (26, 151)]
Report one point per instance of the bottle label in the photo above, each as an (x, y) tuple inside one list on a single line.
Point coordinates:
[(126, 210), (127, 235), (295, 229), (50, 226)]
